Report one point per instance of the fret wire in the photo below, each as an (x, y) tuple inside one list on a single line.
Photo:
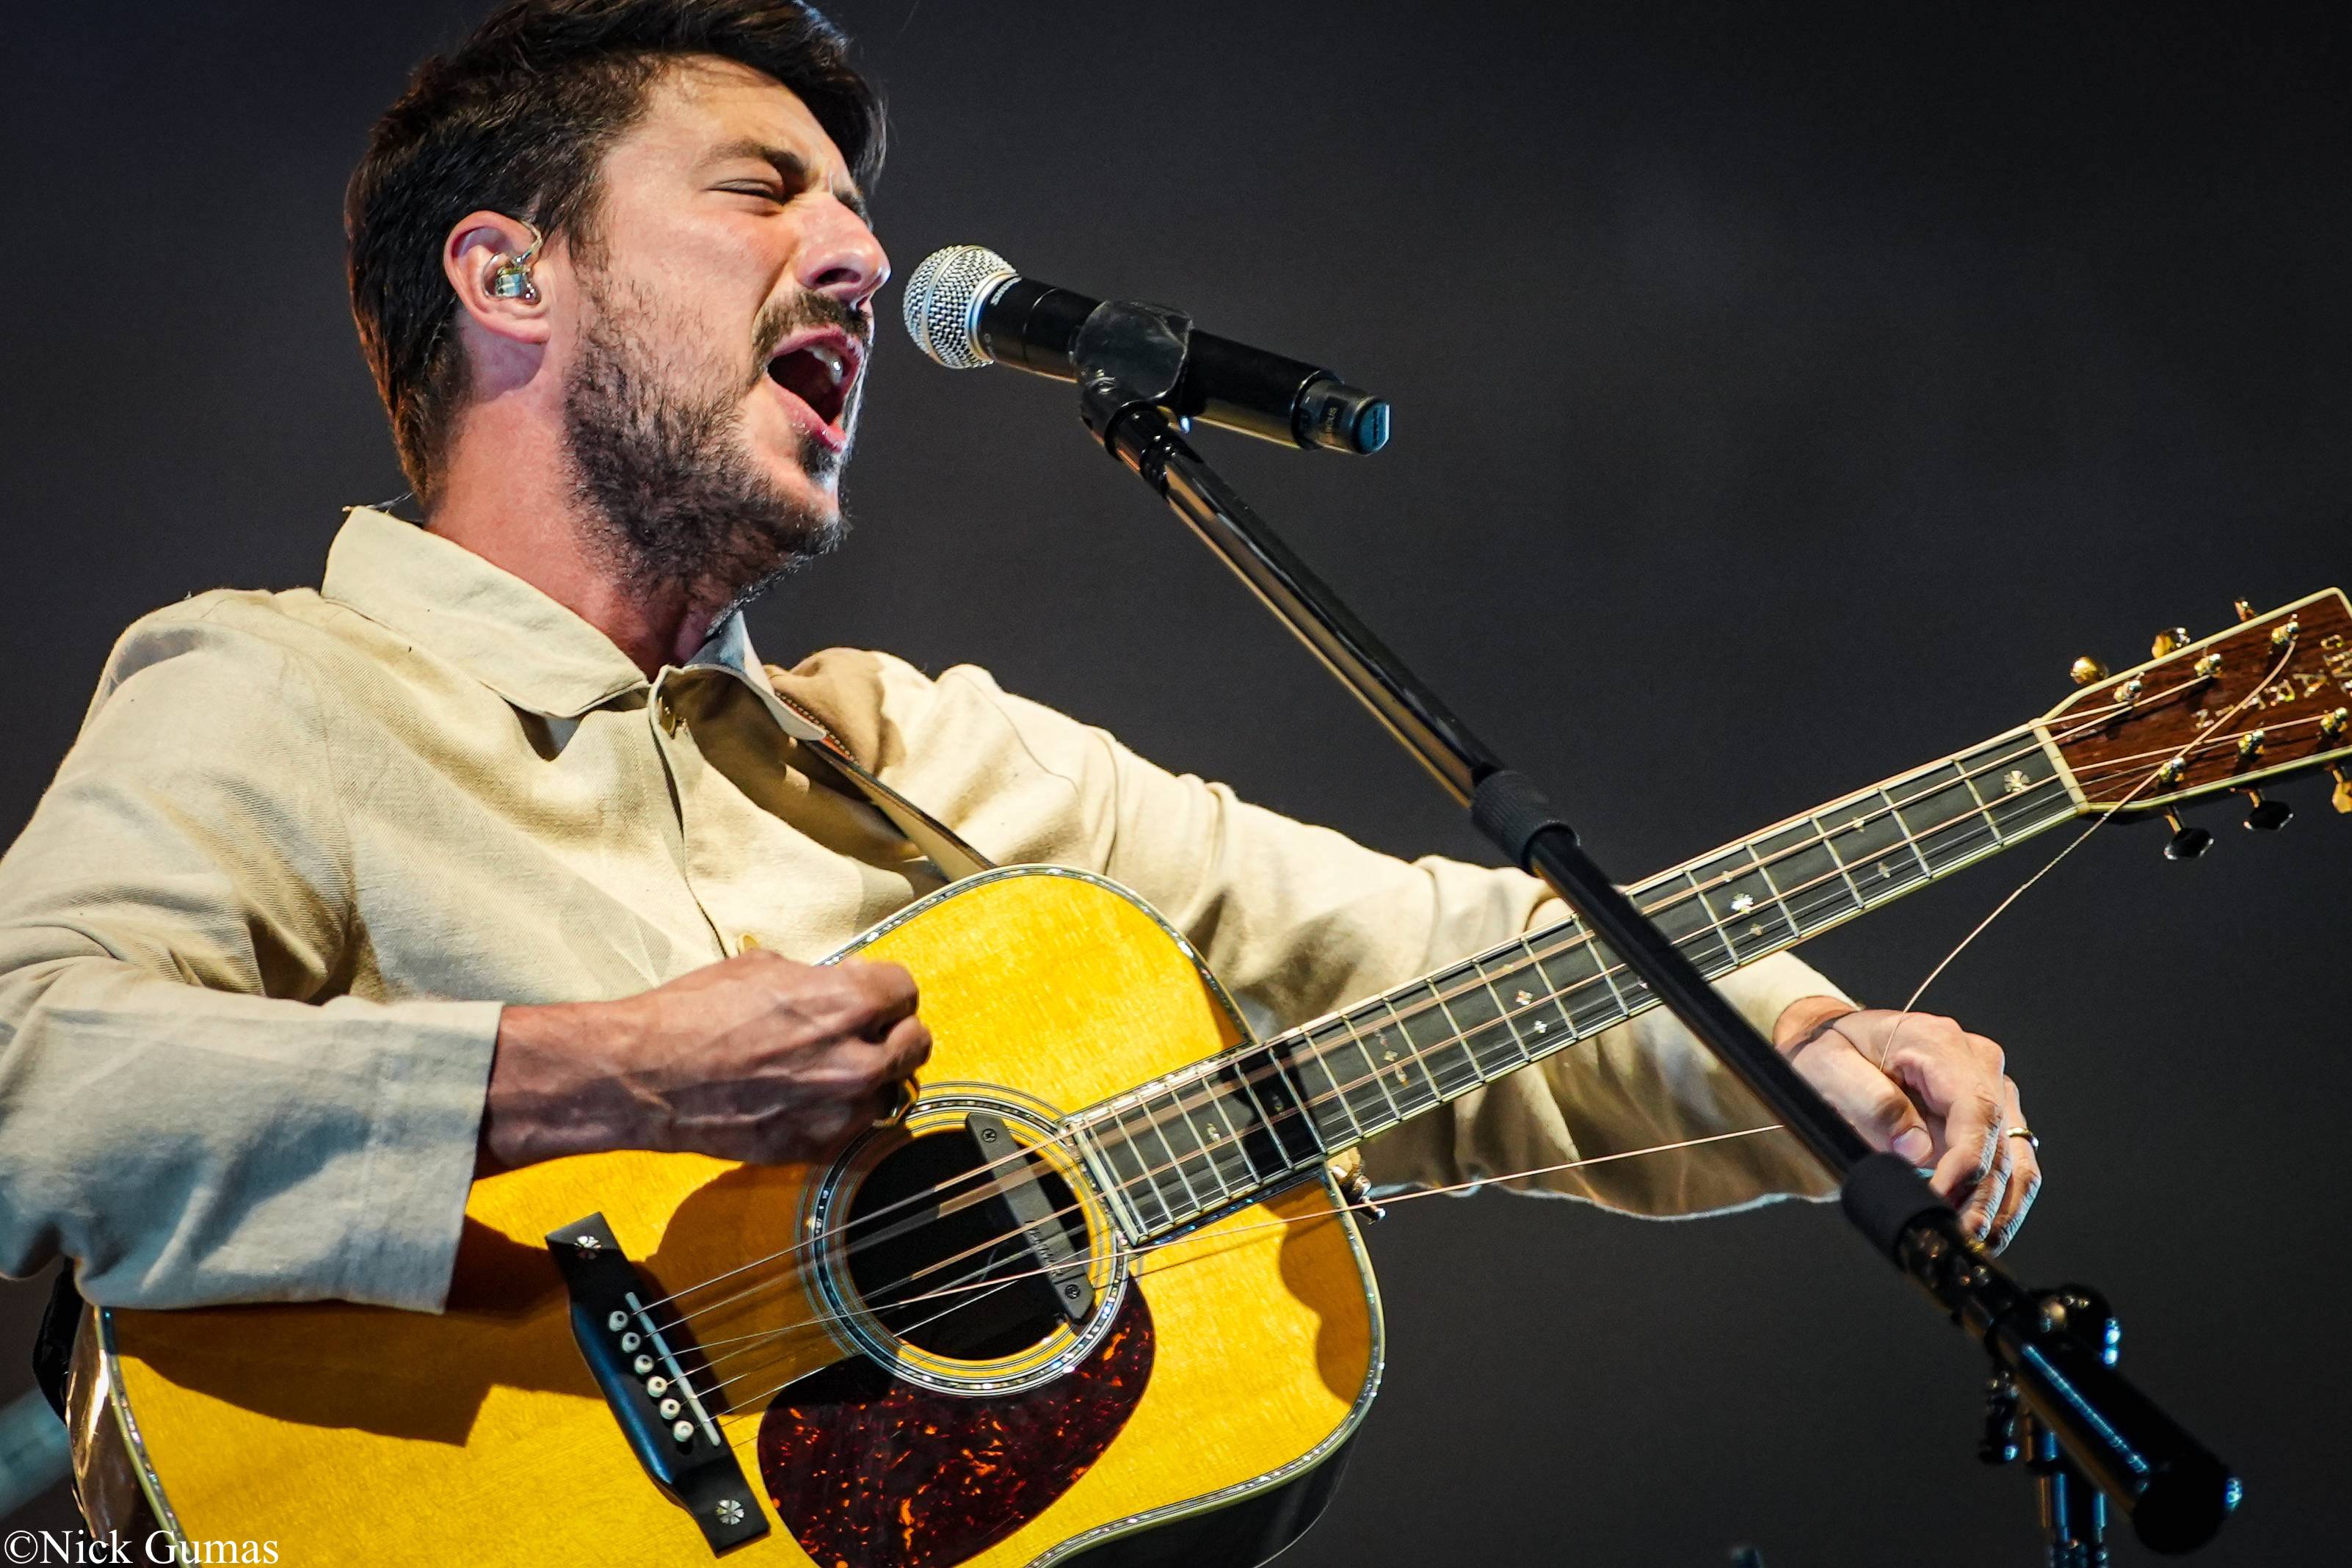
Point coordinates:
[(1519, 1042), (1550, 995), (1779, 898), (1175, 1162), (1984, 810), (1927, 872), (1314, 1053), (1459, 1038), (1380, 1079), (1092, 1153), (1341, 1035), (1713, 924), (1257, 1107), (1143, 1173), (1192, 1131), (1225, 1148), (1600, 956), (1412, 1052), (1829, 843)]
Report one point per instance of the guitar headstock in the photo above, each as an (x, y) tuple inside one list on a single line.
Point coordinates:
[(2268, 698)]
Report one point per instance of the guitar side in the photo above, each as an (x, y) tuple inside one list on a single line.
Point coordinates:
[(352, 1434)]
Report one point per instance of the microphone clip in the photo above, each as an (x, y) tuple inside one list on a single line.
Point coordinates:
[(1130, 355)]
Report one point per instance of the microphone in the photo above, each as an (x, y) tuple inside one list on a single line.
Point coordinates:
[(966, 307)]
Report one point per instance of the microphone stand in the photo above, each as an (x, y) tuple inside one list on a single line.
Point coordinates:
[(2081, 1420)]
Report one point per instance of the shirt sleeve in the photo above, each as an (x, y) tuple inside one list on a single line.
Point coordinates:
[(191, 1108), (1298, 920)]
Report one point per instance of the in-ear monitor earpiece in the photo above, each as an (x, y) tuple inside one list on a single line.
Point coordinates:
[(510, 275)]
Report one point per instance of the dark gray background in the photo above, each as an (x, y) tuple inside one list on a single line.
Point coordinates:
[(1785, 395)]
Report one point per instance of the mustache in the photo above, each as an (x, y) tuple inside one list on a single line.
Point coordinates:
[(807, 308)]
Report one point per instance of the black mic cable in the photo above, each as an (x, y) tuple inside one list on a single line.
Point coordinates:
[(966, 307)]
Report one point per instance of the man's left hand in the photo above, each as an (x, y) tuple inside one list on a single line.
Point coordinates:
[(1927, 1089)]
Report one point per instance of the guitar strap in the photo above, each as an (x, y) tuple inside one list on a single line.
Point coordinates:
[(953, 857)]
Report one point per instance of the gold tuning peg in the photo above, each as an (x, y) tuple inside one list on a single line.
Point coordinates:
[(2342, 799), (2245, 608), (2088, 669), (2168, 639)]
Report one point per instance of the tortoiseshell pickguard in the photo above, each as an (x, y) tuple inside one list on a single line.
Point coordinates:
[(870, 1472)]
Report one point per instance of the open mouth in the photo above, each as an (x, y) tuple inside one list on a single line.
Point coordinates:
[(820, 372)]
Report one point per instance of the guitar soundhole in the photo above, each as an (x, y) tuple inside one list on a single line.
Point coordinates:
[(935, 1257)]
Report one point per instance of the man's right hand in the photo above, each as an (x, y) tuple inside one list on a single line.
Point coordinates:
[(756, 1057)]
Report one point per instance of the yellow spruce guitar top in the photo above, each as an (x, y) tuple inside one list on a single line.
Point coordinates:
[(987, 1422)]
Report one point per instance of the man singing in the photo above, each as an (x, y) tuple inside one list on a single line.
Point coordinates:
[(494, 847)]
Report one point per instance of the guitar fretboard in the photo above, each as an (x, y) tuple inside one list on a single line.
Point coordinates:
[(1227, 1131)]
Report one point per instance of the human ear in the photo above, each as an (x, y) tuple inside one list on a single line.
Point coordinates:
[(493, 264)]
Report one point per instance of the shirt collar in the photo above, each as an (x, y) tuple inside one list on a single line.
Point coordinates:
[(492, 624)]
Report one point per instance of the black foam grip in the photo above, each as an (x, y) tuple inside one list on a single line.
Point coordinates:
[(1882, 1195), (1509, 810)]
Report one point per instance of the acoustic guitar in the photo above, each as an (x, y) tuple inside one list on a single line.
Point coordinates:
[(1097, 1291)]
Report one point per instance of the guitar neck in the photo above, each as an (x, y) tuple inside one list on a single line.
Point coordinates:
[(1230, 1128)]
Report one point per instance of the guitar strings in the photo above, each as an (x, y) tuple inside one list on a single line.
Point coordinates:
[(1504, 1014), (1224, 1232), (1574, 938), (991, 1247), (1505, 1017)]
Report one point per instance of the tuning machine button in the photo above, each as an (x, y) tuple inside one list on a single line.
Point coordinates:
[(2087, 670), (2267, 815), (2172, 639), (2342, 799), (2188, 843), (2245, 608)]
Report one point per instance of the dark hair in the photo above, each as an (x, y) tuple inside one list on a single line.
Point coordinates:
[(517, 120)]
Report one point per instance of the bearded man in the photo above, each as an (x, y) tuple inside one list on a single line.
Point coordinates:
[(503, 844)]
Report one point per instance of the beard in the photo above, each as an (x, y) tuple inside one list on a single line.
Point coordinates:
[(662, 465)]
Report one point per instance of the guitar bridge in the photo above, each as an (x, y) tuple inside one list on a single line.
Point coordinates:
[(672, 1429)]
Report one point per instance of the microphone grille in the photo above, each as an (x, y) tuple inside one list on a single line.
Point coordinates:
[(943, 300)]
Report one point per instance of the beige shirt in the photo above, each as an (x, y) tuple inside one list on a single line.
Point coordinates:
[(255, 940)]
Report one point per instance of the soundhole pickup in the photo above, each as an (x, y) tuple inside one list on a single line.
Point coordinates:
[(647, 1374), (1059, 1257)]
